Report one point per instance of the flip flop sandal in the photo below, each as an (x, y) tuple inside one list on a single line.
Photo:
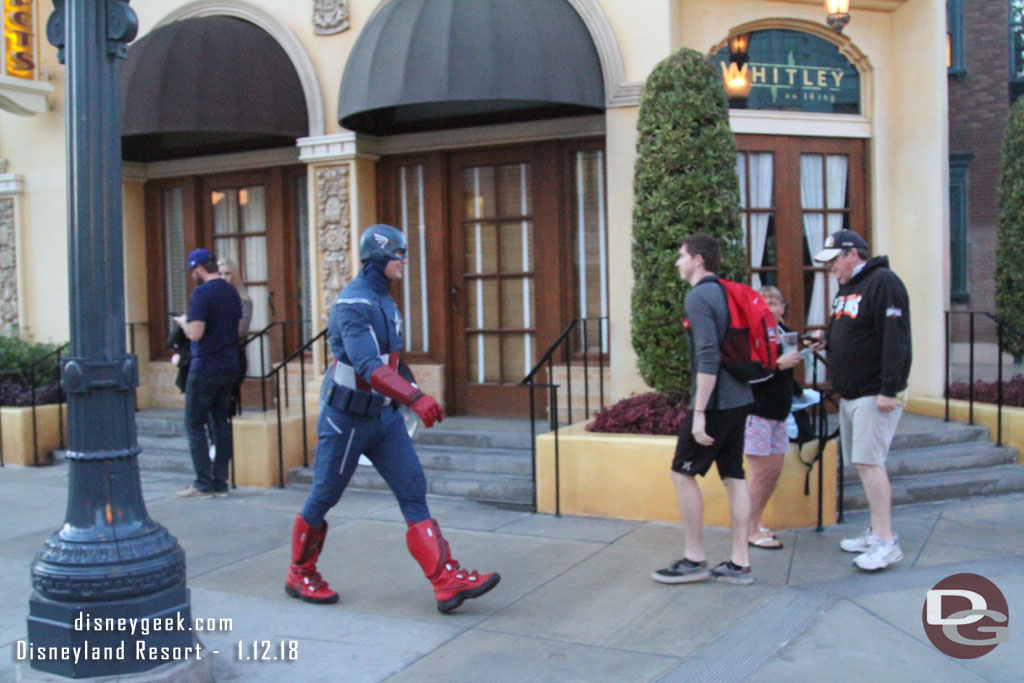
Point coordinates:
[(768, 543)]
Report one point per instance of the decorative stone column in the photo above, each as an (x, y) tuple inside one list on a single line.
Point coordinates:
[(10, 190), (343, 197)]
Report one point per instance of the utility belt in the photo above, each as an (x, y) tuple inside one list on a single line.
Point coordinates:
[(351, 393), (355, 402)]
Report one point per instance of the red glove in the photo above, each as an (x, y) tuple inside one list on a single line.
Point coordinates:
[(389, 383), (428, 410)]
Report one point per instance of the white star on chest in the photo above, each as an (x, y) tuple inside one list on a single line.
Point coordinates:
[(398, 323)]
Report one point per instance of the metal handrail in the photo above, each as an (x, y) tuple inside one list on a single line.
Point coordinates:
[(275, 373), (262, 336), (546, 360), (1001, 326), (829, 395)]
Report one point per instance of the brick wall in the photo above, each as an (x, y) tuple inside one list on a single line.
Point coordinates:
[(978, 108)]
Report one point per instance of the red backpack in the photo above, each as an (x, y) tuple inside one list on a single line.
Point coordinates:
[(750, 346)]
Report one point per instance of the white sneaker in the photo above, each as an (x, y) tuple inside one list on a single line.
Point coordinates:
[(881, 555), (860, 544)]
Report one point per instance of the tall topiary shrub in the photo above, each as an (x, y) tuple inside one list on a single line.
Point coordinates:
[(684, 182), (1010, 249)]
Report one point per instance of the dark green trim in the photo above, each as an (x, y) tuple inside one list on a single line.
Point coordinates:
[(958, 165)]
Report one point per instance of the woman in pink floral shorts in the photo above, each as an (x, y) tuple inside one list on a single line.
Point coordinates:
[(765, 440)]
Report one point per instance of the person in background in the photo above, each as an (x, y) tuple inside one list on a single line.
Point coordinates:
[(765, 439), (712, 430), (228, 270), (868, 343), (211, 325)]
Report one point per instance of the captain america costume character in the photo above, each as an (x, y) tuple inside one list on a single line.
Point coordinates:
[(359, 398)]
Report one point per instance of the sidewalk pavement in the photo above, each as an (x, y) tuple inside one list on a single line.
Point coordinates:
[(575, 603)]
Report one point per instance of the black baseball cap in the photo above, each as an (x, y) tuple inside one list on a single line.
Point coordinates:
[(837, 242)]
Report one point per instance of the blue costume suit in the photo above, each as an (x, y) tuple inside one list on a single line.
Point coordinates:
[(364, 324)]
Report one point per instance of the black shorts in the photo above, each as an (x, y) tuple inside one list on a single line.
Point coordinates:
[(726, 427)]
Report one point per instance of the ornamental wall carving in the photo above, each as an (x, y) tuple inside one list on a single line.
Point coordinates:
[(8, 270), (334, 233), (329, 16)]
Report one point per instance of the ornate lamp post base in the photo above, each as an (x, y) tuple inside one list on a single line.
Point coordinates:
[(72, 639)]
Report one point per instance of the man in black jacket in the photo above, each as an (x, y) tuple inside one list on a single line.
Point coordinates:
[(868, 343)]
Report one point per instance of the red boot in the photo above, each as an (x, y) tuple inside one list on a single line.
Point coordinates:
[(452, 584), (304, 581)]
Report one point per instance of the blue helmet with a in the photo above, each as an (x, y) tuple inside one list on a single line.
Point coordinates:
[(380, 242)]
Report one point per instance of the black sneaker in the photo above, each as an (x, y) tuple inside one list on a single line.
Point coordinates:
[(733, 573), (683, 571)]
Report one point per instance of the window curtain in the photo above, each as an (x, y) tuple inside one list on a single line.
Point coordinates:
[(811, 197), (761, 175)]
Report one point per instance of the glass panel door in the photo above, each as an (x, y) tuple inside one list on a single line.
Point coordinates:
[(240, 234), (498, 273)]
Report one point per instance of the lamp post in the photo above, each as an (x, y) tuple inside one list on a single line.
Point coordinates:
[(109, 560), (838, 14)]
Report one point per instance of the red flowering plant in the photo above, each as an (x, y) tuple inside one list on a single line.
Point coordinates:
[(650, 413), (988, 392)]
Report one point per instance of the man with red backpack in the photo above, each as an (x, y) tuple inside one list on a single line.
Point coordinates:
[(713, 428)]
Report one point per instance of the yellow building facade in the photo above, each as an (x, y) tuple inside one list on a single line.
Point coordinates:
[(517, 200)]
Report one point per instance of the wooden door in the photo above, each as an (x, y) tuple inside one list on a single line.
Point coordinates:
[(795, 192), (504, 288)]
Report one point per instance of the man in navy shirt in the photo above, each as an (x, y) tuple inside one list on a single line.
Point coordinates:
[(212, 322)]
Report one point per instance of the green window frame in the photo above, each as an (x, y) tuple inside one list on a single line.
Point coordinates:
[(955, 37), (958, 166)]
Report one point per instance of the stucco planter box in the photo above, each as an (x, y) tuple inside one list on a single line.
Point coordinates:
[(255, 444), (984, 414), (17, 433), (626, 476)]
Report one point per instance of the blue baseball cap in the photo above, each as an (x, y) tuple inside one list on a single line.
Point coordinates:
[(198, 257)]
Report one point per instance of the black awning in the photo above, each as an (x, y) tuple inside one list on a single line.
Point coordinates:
[(208, 85), (427, 64)]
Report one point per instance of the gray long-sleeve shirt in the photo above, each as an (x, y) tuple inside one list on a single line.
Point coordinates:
[(708, 313)]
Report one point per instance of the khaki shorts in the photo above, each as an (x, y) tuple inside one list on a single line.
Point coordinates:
[(865, 432)]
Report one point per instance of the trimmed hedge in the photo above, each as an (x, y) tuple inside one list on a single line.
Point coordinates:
[(1010, 249), (684, 182)]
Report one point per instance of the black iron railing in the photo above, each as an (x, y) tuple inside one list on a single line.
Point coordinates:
[(1002, 328), (573, 344), (278, 374), (262, 340), (829, 403), (32, 369)]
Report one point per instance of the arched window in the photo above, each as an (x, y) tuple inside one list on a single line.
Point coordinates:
[(790, 70)]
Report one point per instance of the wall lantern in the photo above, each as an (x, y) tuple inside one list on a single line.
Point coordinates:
[(838, 14), (736, 76)]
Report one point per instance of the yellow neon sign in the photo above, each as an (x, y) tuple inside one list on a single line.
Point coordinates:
[(19, 38)]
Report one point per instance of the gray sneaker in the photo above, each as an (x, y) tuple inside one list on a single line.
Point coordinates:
[(683, 571), (860, 544), (193, 492), (730, 573)]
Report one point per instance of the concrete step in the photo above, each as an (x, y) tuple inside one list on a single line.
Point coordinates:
[(506, 489), (160, 422), (480, 461), (934, 486), (945, 458), (477, 433), (927, 432)]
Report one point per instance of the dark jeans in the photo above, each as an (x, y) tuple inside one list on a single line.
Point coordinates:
[(208, 396)]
